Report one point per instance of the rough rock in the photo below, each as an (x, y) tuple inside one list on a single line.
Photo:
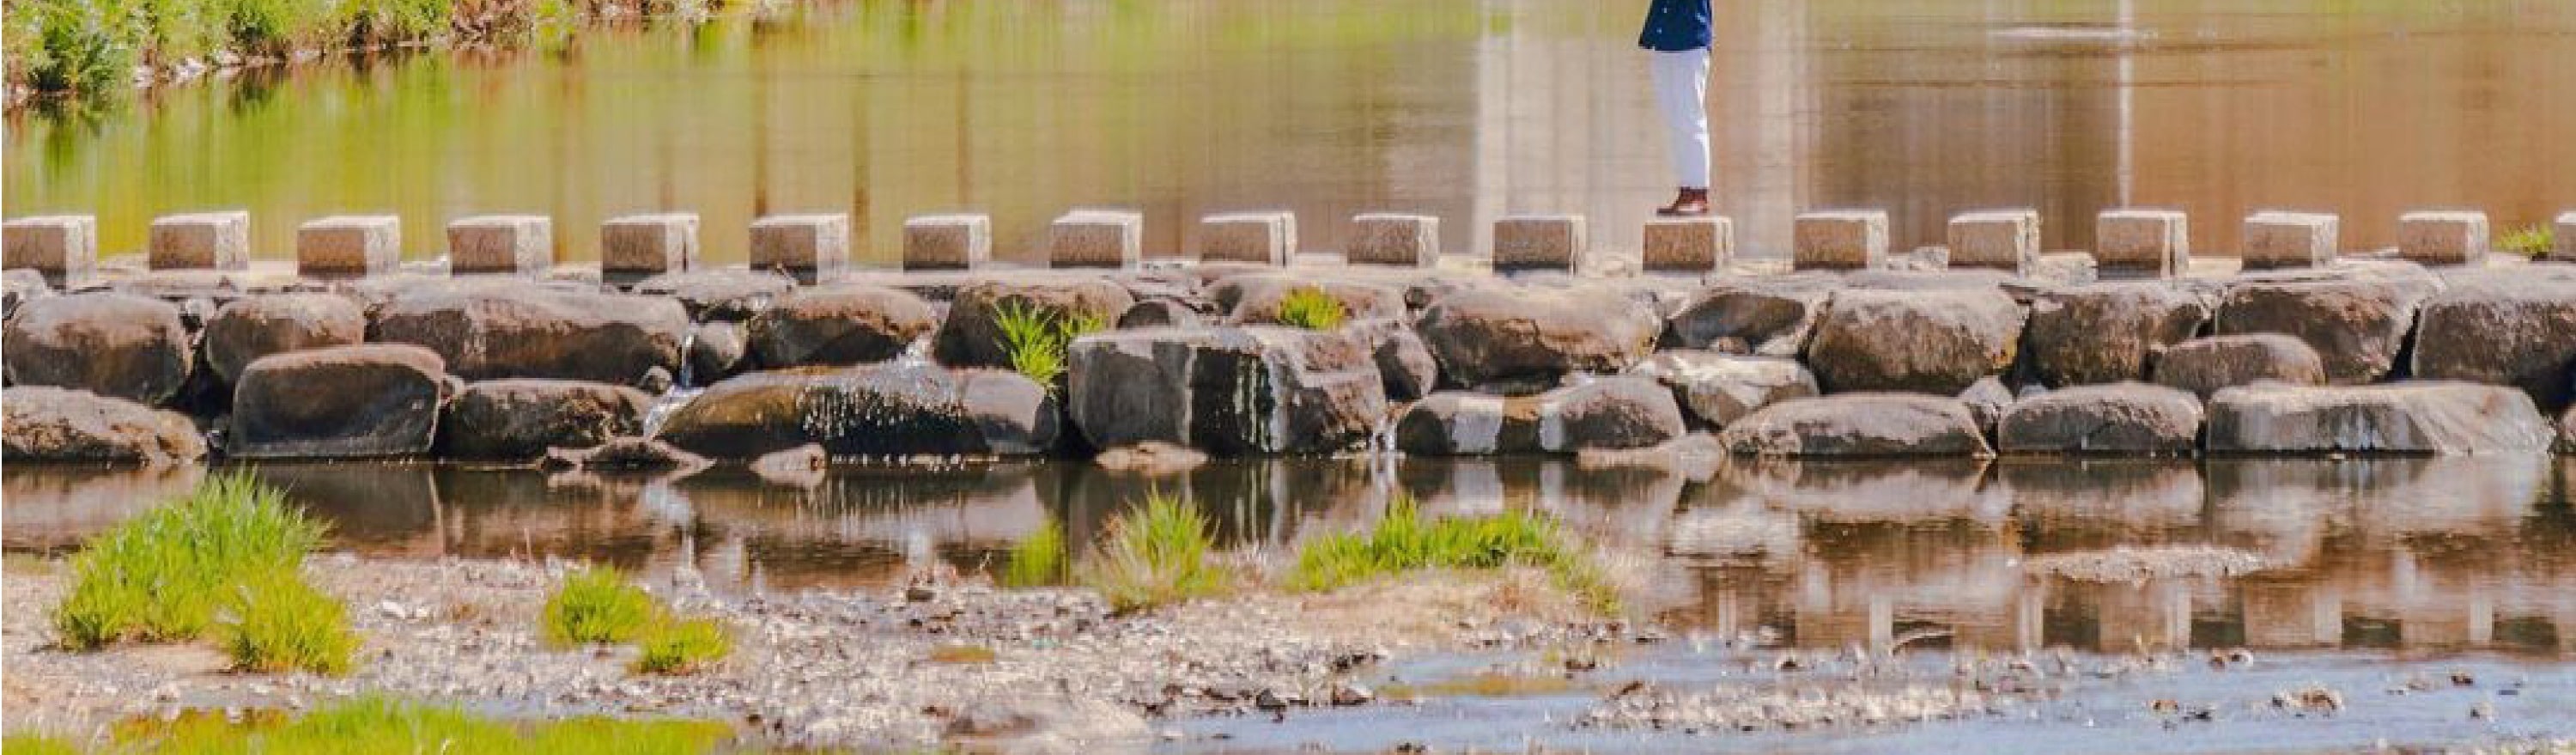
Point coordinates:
[(873, 410), (839, 325), (2438, 417), (2356, 320), (1859, 424), (1986, 401), (1254, 299), (1721, 388), (1404, 362), (489, 330), (20, 285), (1228, 391), (1930, 341), (2206, 365), (716, 352), (1770, 316), (1609, 413), (46, 424), (1161, 312), (257, 326), (2112, 418), (112, 344), (2106, 332), (721, 295), (2515, 328), (366, 400), (972, 337), (1500, 334), (521, 418)]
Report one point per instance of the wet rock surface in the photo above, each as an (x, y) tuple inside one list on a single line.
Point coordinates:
[(61, 425), (2417, 417), (886, 409), (368, 400), (1603, 414), (1229, 391)]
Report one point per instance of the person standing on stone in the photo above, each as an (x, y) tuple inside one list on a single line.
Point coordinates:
[(1678, 35)]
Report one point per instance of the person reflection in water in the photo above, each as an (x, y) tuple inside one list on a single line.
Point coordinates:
[(1678, 35)]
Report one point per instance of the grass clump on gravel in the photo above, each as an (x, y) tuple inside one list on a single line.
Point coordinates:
[(1156, 554), (1404, 540), (1037, 560), (276, 623), (165, 575), (597, 606), (682, 647)]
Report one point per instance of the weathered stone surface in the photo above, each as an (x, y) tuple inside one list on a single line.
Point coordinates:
[(1228, 391), (2203, 366), (2117, 418), (1255, 299), (112, 344), (19, 286), (2438, 417), (1097, 238), (2357, 322), (1609, 413), (1502, 334), (1768, 316), (2152, 243), (1987, 400), (348, 246), (1719, 388), (894, 408), (971, 337), (489, 331), (1696, 245), (1160, 313), (367, 400), (2106, 332), (1858, 424), (947, 242), (1404, 362), (2000, 239), (257, 326), (521, 419), (506, 244), (843, 324), (1931, 341), (1394, 239), (201, 241), (58, 425), (2513, 327), (1840, 240), (64, 248), (728, 294), (639, 246), (716, 352), (2277, 239), (810, 248), (1541, 242), (1262, 238), (2449, 237)]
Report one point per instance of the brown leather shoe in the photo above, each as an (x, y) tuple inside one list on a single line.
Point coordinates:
[(1690, 203)]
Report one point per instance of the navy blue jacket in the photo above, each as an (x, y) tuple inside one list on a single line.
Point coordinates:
[(1676, 26)]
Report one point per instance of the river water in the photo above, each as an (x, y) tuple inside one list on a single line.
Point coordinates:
[(1469, 109)]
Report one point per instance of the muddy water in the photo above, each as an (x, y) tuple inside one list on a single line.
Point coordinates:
[(1469, 109)]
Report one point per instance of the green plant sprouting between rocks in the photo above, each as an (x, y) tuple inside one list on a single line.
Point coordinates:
[(1155, 554), (1404, 541), (1037, 560), (2530, 241), (1037, 341), (1311, 308), (597, 605), (167, 574)]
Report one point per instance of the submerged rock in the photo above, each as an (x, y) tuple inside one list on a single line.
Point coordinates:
[(493, 330), (1859, 424), (1721, 388), (522, 418), (1234, 390), (112, 344), (2416, 417), (358, 401), (45, 424), (1503, 334), (1936, 341), (1609, 413), (874, 410), (2106, 332), (2356, 320), (971, 335), (257, 326), (2122, 418), (2514, 328), (2206, 365), (838, 325)]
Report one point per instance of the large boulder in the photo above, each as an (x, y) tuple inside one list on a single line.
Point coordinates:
[(522, 418), (1930, 341), (1859, 424), (2437, 417), (112, 344), (1609, 413), (60, 425), (2515, 328), (716, 352), (971, 335), (839, 325), (2356, 320), (2111, 418), (257, 326), (1404, 362), (1506, 334), (720, 294), (367, 400), (488, 331), (2106, 332), (1773, 316), (1721, 388), (1235, 390), (887, 409), (2206, 365)]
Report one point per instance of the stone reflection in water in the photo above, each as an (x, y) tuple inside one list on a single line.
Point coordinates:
[(1620, 505), (1249, 503), (862, 526)]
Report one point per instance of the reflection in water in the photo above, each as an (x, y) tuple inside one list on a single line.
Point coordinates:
[(2415, 553)]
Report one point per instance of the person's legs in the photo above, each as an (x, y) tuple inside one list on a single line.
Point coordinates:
[(1681, 91)]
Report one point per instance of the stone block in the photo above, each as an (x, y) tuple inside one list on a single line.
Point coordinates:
[(947, 242), (64, 248), (1697, 245), (813, 248), (2279, 239), (2566, 238), (2456, 237), (2153, 243), (1996, 239), (508, 244), (1096, 238), (348, 246), (1381, 238), (201, 241), (1268, 238), (1841, 240), (642, 246), (1541, 242)]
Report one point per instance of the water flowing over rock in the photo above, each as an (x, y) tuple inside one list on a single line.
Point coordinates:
[(2515, 328), (494, 330), (2437, 417), (1936, 341), (1229, 391), (2121, 418), (894, 408), (1771, 316), (972, 337), (112, 344), (2106, 332), (60, 425), (2205, 365), (357, 401), (2356, 320), (257, 326), (1859, 424), (1721, 388), (1501, 334), (839, 325), (521, 418), (1609, 413)]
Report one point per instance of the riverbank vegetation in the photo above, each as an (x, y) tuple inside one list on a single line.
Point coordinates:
[(1404, 540), (383, 726), (1158, 553), (597, 606), (1038, 342)]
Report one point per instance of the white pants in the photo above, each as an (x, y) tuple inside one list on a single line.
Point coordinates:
[(1681, 89)]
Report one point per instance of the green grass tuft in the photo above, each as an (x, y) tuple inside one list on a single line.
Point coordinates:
[(1156, 554), (2531, 241), (1037, 341), (379, 726), (683, 647), (596, 605), (1037, 560), (162, 576), (36, 744), (278, 623), (1405, 541), (1313, 309)]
